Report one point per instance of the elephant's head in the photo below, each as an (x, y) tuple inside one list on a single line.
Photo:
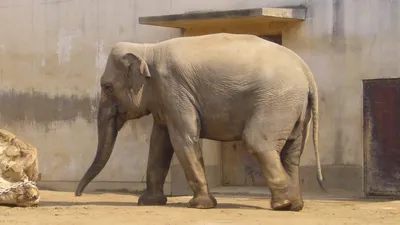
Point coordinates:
[(124, 96)]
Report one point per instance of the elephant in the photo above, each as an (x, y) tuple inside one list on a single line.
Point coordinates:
[(222, 87)]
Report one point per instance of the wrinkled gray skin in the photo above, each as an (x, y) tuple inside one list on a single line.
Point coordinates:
[(222, 87)]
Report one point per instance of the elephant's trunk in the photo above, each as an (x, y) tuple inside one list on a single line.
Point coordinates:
[(107, 134)]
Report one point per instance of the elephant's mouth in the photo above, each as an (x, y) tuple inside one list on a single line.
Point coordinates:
[(129, 115), (122, 115), (121, 118)]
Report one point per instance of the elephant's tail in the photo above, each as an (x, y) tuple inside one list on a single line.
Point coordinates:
[(313, 99), (314, 108)]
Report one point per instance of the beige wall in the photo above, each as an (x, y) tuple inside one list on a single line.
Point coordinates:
[(344, 43), (52, 54)]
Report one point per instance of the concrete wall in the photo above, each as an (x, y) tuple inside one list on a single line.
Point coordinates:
[(52, 54), (345, 42)]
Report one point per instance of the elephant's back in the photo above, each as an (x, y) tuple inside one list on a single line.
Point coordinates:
[(235, 57), (220, 42)]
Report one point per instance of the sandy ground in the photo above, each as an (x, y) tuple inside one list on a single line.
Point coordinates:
[(121, 208)]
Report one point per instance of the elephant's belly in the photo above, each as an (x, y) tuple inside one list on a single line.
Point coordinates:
[(228, 130), (224, 118)]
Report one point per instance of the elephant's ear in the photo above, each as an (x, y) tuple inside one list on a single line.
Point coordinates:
[(136, 61)]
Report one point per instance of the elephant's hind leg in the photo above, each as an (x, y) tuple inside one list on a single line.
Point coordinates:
[(158, 165), (265, 139), (290, 156)]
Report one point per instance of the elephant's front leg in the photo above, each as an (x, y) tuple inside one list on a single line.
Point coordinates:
[(159, 161), (184, 132)]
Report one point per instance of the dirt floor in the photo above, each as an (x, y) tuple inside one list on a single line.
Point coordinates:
[(121, 208)]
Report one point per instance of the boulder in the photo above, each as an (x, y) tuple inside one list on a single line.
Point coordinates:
[(18, 171)]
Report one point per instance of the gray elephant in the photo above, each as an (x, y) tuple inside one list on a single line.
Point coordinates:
[(223, 87)]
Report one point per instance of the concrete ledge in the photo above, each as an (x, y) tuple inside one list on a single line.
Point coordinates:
[(231, 20), (258, 191), (340, 181), (338, 178), (134, 187)]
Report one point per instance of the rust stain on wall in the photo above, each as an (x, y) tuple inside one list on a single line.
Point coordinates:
[(43, 109)]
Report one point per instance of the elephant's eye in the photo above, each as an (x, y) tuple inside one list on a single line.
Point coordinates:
[(108, 88)]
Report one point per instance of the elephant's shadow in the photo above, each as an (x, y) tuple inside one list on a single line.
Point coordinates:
[(132, 204)]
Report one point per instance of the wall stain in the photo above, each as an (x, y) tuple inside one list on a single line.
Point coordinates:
[(338, 32), (338, 147), (40, 108)]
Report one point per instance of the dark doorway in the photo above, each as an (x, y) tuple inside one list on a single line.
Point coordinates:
[(382, 137), (274, 38)]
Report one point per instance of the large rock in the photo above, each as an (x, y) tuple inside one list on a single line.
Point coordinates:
[(18, 171)]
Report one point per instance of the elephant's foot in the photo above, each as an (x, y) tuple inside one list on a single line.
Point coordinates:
[(203, 202), (280, 200), (147, 199), (281, 204), (297, 205), (296, 199)]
